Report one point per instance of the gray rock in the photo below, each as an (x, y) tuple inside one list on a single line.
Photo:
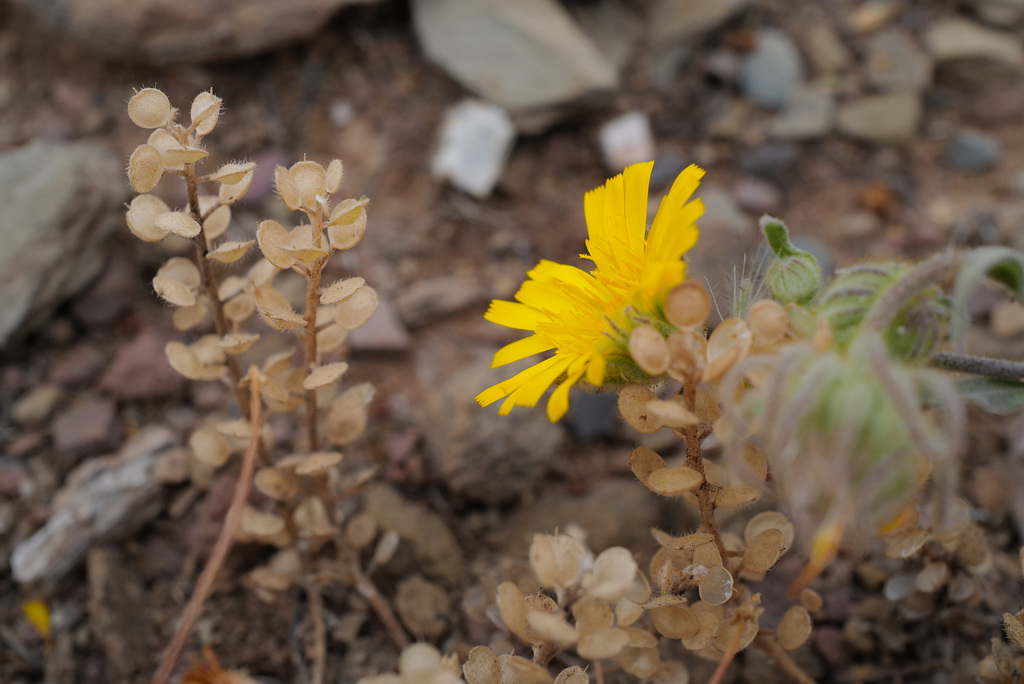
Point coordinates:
[(774, 161), (102, 500), (626, 139), (384, 332), (999, 13), (37, 404), (593, 415), (88, 427), (895, 63), (476, 140), (810, 114), (758, 196), (967, 51), (771, 73), (825, 49), (611, 25), (430, 299), (973, 151), (61, 202), (524, 55), (118, 615), (180, 31), (883, 119), (684, 21), (479, 454)]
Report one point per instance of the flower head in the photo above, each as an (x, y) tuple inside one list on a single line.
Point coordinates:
[(587, 317)]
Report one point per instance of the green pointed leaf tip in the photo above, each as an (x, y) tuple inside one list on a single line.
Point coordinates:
[(794, 275), (992, 394), (778, 237)]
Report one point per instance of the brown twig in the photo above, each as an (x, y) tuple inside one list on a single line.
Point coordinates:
[(695, 459), (312, 300), (366, 588), (766, 641), (730, 654), (316, 614), (204, 585)]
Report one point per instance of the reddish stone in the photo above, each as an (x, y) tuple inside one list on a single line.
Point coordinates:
[(87, 428), (141, 370), (77, 366)]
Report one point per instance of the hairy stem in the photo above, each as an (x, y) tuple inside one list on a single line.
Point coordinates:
[(316, 615), (695, 459), (312, 300), (204, 585), (929, 272), (978, 365), (209, 285)]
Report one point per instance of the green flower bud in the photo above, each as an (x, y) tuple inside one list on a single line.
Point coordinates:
[(915, 330), (794, 275)]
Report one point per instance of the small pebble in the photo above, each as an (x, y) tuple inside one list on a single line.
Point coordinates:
[(771, 73), (476, 139), (625, 140), (973, 151), (757, 196)]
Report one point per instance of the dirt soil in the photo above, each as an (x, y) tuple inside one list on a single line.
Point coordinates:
[(367, 65)]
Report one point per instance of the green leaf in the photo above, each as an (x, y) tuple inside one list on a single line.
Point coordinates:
[(992, 394), (778, 237), (1001, 264)]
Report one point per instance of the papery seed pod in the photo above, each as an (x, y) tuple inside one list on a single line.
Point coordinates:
[(184, 154), (556, 560), (638, 661), (482, 667), (552, 628), (333, 177), (633, 400), (348, 414), (592, 615), (179, 223), (230, 252), (605, 643), (347, 223), (341, 290), (717, 587), (209, 446), (145, 168), (768, 321), (794, 275), (276, 484), (177, 281), (762, 552), (794, 628), (687, 355), (687, 305), (205, 111), (141, 217), (811, 600), (318, 463), (571, 675), (356, 309), (708, 620), (309, 178), (418, 662), (674, 622), (323, 376), (272, 237), (770, 520), (649, 350), (729, 343), (217, 222), (612, 575), (674, 481), (149, 108)]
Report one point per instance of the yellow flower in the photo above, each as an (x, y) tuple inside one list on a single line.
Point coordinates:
[(587, 317)]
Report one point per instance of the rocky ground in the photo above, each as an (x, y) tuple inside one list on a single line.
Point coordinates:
[(875, 129)]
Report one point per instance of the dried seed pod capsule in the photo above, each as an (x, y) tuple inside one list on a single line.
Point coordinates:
[(769, 322), (687, 305), (649, 350)]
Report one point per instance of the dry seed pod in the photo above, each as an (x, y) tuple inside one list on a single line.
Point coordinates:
[(907, 544), (229, 193), (716, 588), (356, 309), (272, 238), (605, 643), (674, 622), (592, 615), (633, 401), (164, 141), (185, 361), (571, 675), (309, 178), (177, 281), (811, 600), (612, 575), (347, 224), (726, 634), (707, 555), (728, 345), (262, 526), (512, 608), (761, 554), (552, 628), (322, 376), (769, 322), (794, 628), (689, 541), (210, 446), (149, 108), (687, 304), (361, 530), (318, 463), (687, 350), (706, 631), (232, 173), (1014, 629), (311, 518), (229, 252), (418, 662), (736, 496), (234, 429), (422, 606), (387, 545), (707, 408), (331, 338), (671, 413), (145, 168), (275, 310), (276, 484), (332, 179), (517, 670), (932, 577), (179, 223), (640, 638), (341, 290), (643, 462), (218, 218), (649, 350), (769, 520), (188, 317), (482, 667), (556, 560), (286, 188), (348, 414), (183, 154), (674, 481), (237, 343), (141, 217), (205, 111), (639, 662)]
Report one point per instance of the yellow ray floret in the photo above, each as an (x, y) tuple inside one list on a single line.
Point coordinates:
[(586, 317)]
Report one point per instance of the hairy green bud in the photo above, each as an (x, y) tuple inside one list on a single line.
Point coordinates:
[(794, 275)]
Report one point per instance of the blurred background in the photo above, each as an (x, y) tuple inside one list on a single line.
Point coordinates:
[(875, 129)]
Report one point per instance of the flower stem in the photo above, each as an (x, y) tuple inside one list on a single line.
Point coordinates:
[(978, 365), (312, 300), (695, 459)]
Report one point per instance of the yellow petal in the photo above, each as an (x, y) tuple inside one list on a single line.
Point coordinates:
[(514, 315), (558, 404), (520, 349)]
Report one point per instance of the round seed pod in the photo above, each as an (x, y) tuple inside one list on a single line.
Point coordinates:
[(419, 662), (649, 350), (482, 667), (769, 520), (728, 344), (141, 217), (149, 108), (674, 622), (687, 352), (674, 481), (205, 112), (356, 309), (556, 560), (769, 322), (644, 461), (794, 628), (332, 179), (570, 675), (761, 554), (687, 304), (606, 643), (179, 223), (708, 622), (811, 600), (633, 400), (276, 484), (716, 588), (638, 661), (145, 168)]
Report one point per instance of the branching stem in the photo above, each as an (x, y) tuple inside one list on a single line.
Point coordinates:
[(695, 459)]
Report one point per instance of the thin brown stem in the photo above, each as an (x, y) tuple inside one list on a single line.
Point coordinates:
[(380, 605), (316, 614), (209, 286), (312, 300), (204, 585), (767, 642), (730, 654), (695, 459)]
